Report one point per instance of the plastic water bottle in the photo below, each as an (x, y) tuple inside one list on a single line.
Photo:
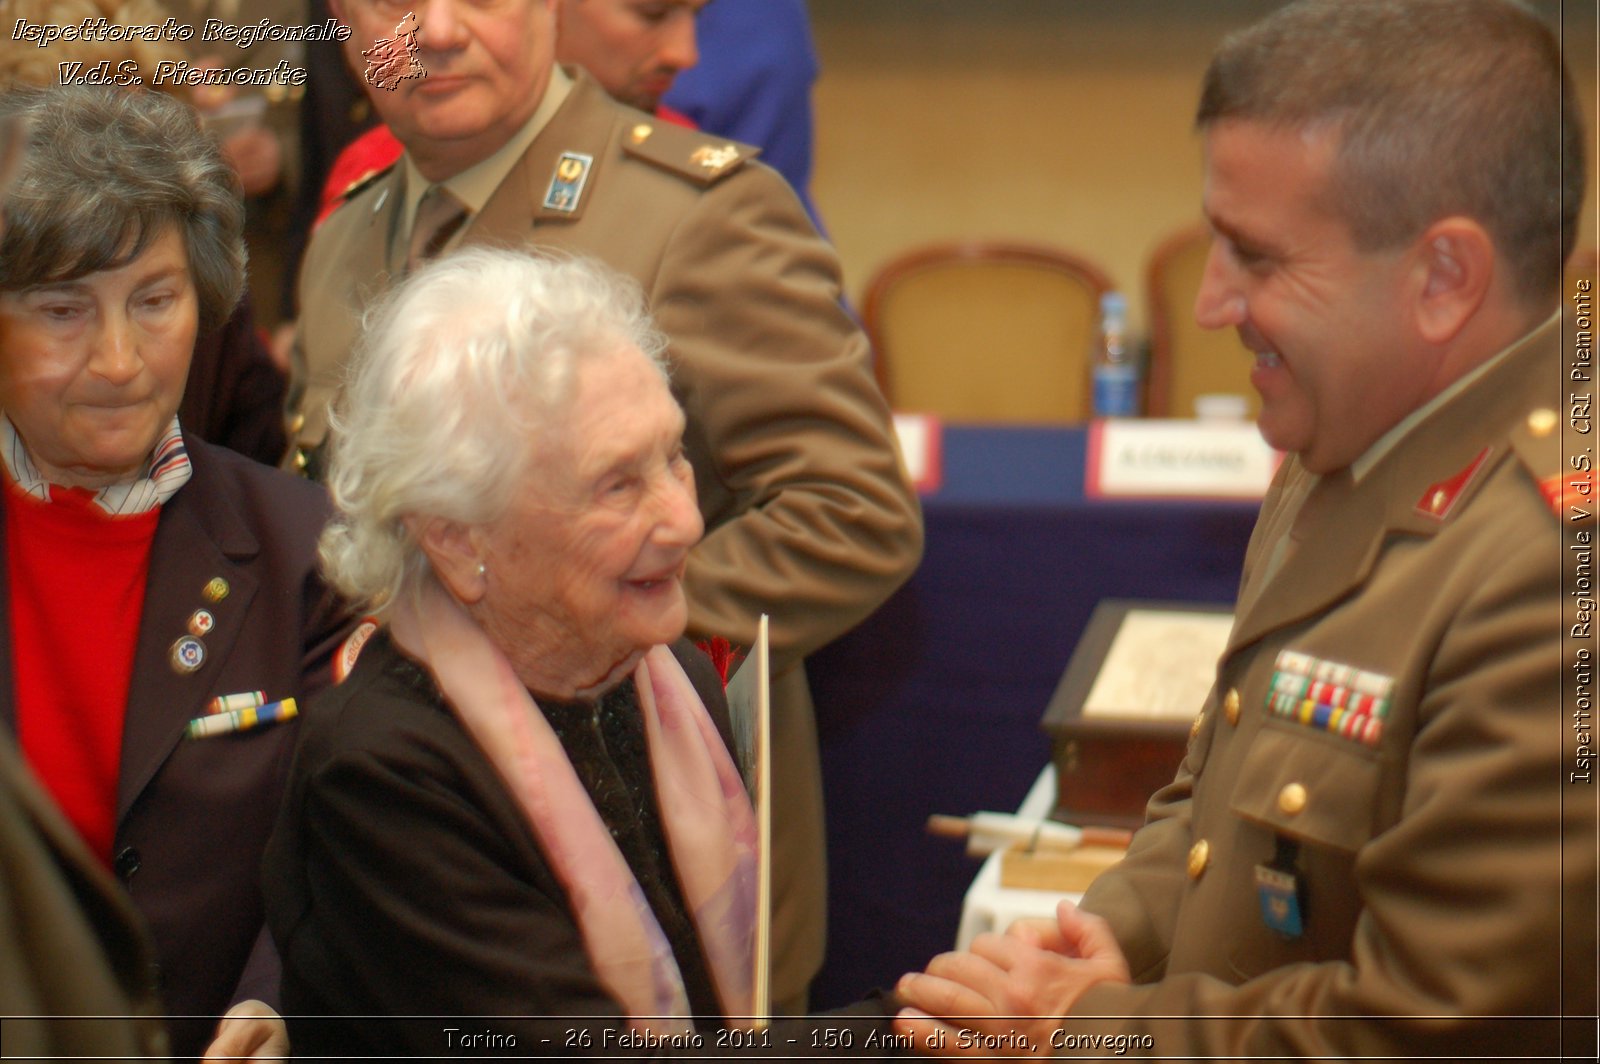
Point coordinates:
[(1112, 366)]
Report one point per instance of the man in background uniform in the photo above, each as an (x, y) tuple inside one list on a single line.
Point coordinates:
[(1372, 848), (809, 513)]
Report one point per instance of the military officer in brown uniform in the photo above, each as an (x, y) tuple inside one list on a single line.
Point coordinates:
[(809, 515), (1372, 847)]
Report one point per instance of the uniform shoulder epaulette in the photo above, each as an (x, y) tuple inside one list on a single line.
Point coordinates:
[(1536, 439), (689, 153), (360, 184)]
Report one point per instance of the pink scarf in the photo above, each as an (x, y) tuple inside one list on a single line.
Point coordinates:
[(709, 824)]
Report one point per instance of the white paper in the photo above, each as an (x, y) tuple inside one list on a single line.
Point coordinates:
[(918, 435), (750, 705), (1155, 458), (1160, 666)]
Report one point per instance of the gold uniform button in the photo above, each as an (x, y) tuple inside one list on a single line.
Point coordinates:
[(1230, 705), (1542, 422), (641, 133), (1292, 799), (297, 423), (1199, 857)]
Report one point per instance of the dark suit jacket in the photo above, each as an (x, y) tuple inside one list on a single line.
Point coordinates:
[(403, 878), (194, 815), (403, 881), (71, 943)]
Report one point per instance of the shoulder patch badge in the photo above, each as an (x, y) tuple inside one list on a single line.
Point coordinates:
[(566, 184), (716, 158), (688, 153), (344, 659)]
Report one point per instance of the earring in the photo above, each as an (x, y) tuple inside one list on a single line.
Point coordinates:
[(483, 570)]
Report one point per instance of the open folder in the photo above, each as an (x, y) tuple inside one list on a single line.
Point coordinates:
[(750, 707)]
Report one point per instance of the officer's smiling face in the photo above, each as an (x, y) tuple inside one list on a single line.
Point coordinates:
[(487, 67), (1328, 322)]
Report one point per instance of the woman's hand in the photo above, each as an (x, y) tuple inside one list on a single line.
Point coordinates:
[(251, 1030)]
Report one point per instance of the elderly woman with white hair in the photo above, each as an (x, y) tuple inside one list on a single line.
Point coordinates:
[(521, 803)]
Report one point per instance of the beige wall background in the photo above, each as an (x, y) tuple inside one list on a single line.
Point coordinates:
[(1061, 121)]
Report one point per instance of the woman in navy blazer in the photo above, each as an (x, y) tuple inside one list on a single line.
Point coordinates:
[(146, 573)]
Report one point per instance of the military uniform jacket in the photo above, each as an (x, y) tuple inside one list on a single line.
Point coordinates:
[(1430, 859), (809, 515), (193, 815)]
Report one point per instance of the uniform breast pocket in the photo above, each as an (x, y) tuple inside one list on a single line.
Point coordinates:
[(1315, 789), (1310, 804)]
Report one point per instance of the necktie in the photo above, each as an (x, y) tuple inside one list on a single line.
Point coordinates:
[(439, 216)]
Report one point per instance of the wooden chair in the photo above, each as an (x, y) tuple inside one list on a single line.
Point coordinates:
[(986, 331), (1187, 361)]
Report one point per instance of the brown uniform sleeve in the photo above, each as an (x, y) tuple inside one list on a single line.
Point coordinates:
[(810, 515)]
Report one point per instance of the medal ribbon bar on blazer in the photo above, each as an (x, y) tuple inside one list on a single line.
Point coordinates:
[(1339, 699)]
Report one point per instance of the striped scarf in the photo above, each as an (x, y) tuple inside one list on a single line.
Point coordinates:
[(166, 471)]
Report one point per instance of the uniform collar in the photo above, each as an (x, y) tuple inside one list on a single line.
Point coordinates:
[(474, 185), (1389, 440), (1421, 482)]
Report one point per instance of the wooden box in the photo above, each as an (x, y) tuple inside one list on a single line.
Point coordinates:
[(1112, 758)]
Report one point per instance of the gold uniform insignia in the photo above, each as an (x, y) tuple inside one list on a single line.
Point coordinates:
[(715, 160), (566, 184)]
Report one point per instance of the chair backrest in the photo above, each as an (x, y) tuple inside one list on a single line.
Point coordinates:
[(1187, 361), (986, 331)]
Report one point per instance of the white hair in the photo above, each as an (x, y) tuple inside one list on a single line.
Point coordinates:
[(457, 372)]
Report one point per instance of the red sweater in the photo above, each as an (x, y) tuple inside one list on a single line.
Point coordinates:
[(77, 578)]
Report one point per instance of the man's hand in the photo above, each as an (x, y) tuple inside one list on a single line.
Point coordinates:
[(251, 1030), (1006, 994)]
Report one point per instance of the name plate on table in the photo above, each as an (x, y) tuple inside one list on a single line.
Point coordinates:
[(1177, 459), (919, 446)]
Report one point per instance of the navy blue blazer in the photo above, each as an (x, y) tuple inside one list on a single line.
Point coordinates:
[(193, 815)]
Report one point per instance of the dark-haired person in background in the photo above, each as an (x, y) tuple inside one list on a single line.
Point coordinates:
[(57, 900), (146, 573)]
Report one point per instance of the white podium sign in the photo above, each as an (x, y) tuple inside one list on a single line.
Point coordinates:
[(919, 438), (1174, 459)]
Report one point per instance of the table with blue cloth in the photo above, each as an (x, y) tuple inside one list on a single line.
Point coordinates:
[(933, 704)]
